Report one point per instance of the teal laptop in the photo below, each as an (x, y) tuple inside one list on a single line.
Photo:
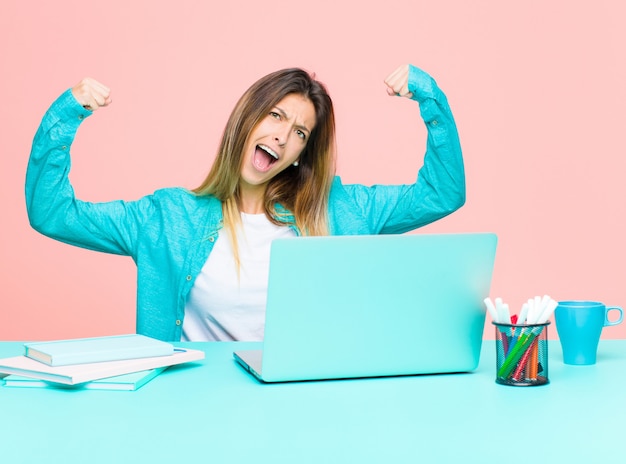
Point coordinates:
[(342, 307)]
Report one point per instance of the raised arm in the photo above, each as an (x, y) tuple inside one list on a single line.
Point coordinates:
[(440, 185), (52, 207)]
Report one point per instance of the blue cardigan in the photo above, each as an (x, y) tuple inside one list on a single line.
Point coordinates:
[(170, 233)]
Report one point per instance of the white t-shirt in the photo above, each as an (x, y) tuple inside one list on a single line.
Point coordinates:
[(222, 306)]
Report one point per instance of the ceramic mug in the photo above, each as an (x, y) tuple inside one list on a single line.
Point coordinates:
[(579, 325)]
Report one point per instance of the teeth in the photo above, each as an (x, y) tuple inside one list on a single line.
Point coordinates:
[(269, 151)]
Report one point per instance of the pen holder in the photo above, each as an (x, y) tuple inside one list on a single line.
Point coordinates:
[(522, 354)]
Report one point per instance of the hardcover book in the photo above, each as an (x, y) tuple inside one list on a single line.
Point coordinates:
[(127, 382), (97, 349), (78, 373)]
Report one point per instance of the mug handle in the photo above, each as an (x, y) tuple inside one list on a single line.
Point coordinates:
[(607, 322)]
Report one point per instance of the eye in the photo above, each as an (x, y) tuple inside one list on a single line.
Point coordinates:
[(301, 134), (274, 115)]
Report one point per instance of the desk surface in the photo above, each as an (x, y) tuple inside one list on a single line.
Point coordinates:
[(213, 411)]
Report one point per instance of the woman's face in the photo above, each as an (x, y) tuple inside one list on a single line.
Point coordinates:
[(277, 140)]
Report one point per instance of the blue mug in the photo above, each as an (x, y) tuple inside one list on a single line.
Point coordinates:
[(579, 325)]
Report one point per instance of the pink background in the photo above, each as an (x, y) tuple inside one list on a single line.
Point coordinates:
[(537, 89)]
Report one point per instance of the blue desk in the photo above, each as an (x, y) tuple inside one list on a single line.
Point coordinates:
[(213, 411)]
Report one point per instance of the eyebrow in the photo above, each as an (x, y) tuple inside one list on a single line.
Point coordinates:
[(286, 116)]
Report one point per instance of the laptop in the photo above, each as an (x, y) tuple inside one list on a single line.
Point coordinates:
[(342, 307)]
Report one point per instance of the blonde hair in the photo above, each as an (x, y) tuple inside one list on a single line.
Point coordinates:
[(302, 190)]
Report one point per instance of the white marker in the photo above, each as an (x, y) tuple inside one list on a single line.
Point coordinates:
[(506, 313), (503, 316), (523, 314), (547, 312), (491, 309)]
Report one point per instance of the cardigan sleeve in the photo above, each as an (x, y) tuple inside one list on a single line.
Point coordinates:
[(52, 207), (440, 186)]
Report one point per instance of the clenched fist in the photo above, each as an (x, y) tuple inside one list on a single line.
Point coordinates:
[(398, 82), (92, 94)]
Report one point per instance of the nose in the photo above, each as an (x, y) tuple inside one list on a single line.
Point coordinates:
[(281, 134)]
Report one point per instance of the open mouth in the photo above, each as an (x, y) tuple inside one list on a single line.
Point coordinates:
[(264, 158)]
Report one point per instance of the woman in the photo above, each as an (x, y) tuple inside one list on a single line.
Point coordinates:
[(202, 256)]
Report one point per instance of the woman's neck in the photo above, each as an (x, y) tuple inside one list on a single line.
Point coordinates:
[(252, 199)]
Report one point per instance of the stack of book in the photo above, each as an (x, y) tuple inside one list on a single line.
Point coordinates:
[(122, 362)]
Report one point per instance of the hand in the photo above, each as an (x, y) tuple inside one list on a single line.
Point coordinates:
[(91, 94), (398, 82)]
